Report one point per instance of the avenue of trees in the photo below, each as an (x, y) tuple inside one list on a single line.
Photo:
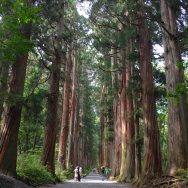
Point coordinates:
[(95, 91)]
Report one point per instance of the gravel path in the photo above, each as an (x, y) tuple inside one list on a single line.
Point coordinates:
[(93, 180)]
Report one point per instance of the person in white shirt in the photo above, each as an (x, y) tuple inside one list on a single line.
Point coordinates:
[(77, 173)]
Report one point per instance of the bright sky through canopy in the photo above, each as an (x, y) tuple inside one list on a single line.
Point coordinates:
[(83, 8)]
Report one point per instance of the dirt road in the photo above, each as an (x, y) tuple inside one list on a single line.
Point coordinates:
[(93, 180)]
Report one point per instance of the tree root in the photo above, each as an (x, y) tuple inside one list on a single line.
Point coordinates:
[(166, 182)]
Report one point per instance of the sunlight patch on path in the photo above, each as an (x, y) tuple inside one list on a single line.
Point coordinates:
[(93, 180)]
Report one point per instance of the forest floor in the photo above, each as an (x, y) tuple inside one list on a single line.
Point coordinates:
[(93, 180)]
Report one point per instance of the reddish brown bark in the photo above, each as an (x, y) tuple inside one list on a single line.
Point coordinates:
[(75, 135), (116, 137), (116, 117), (65, 114), (152, 152), (3, 84), (102, 124), (48, 152), (77, 131), (137, 147), (119, 140), (117, 123), (177, 106), (79, 134), (130, 142), (70, 157), (123, 111), (12, 114), (138, 140), (111, 154), (106, 129)]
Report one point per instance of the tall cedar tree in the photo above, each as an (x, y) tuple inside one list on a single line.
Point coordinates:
[(48, 151), (12, 114), (102, 122), (123, 124), (177, 107), (70, 154), (130, 150), (152, 150), (62, 155)]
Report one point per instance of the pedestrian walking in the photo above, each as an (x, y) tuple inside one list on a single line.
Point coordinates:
[(103, 173), (77, 174)]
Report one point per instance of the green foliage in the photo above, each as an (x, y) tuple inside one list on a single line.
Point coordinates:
[(109, 134), (186, 41), (62, 175), (34, 109), (15, 15), (30, 169), (24, 12), (14, 99), (163, 127), (86, 170), (182, 65), (182, 173), (125, 36), (181, 89)]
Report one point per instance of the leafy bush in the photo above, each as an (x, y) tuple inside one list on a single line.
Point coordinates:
[(62, 175), (86, 170), (30, 170)]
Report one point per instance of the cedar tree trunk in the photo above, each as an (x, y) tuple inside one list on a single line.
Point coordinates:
[(48, 152), (177, 106), (12, 114), (3, 84), (152, 152), (65, 115)]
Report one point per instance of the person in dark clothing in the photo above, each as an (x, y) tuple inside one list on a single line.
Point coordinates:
[(103, 172)]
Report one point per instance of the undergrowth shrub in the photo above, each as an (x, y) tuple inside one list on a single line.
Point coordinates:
[(183, 173), (86, 170), (31, 171), (64, 174)]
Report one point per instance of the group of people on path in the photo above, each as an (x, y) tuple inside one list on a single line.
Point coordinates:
[(105, 172), (78, 173)]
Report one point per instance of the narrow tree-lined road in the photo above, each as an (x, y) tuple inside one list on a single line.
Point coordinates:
[(93, 180)]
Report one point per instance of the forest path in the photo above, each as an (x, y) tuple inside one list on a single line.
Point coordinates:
[(93, 180)]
